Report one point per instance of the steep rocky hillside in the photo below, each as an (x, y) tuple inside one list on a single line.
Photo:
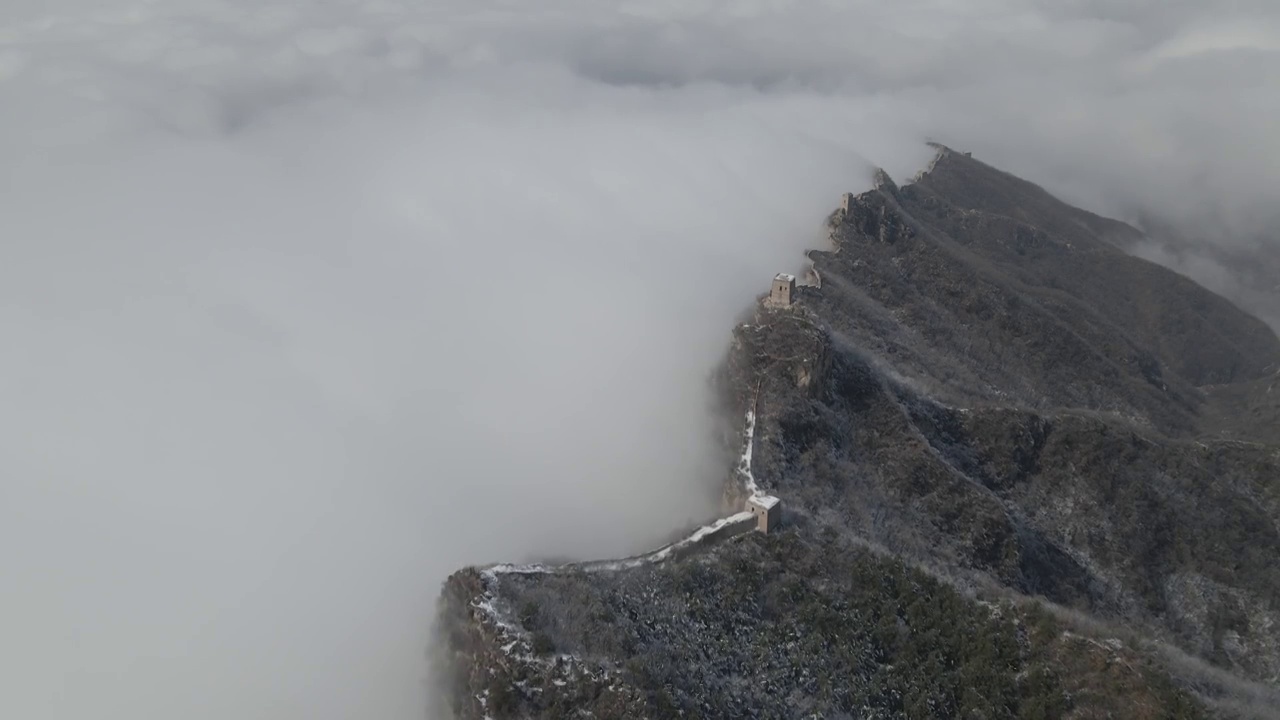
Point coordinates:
[(1024, 474)]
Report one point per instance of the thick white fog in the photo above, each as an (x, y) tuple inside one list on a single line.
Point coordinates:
[(306, 304)]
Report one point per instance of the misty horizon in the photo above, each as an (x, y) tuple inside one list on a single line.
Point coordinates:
[(310, 304)]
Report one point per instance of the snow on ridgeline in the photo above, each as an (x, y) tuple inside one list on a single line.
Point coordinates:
[(744, 463), (519, 645), (754, 494), (749, 482), (635, 561)]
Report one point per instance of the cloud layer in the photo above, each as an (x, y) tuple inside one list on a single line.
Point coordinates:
[(309, 303)]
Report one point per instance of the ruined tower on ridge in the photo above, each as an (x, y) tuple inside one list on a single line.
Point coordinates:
[(783, 290), (768, 512)]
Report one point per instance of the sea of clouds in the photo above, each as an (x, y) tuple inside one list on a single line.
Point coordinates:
[(308, 303)]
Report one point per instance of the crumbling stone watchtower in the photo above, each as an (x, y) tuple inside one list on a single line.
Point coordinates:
[(846, 202), (767, 510), (783, 290)]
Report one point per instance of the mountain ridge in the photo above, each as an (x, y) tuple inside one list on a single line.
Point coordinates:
[(1008, 404)]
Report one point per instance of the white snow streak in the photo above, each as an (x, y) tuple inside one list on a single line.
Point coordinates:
[(744, 464), (491, 574)]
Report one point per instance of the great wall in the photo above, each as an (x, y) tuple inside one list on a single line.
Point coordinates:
[(498, 624), (761, 511)]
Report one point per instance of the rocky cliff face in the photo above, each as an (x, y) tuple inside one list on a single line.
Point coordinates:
[(984, 402)]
